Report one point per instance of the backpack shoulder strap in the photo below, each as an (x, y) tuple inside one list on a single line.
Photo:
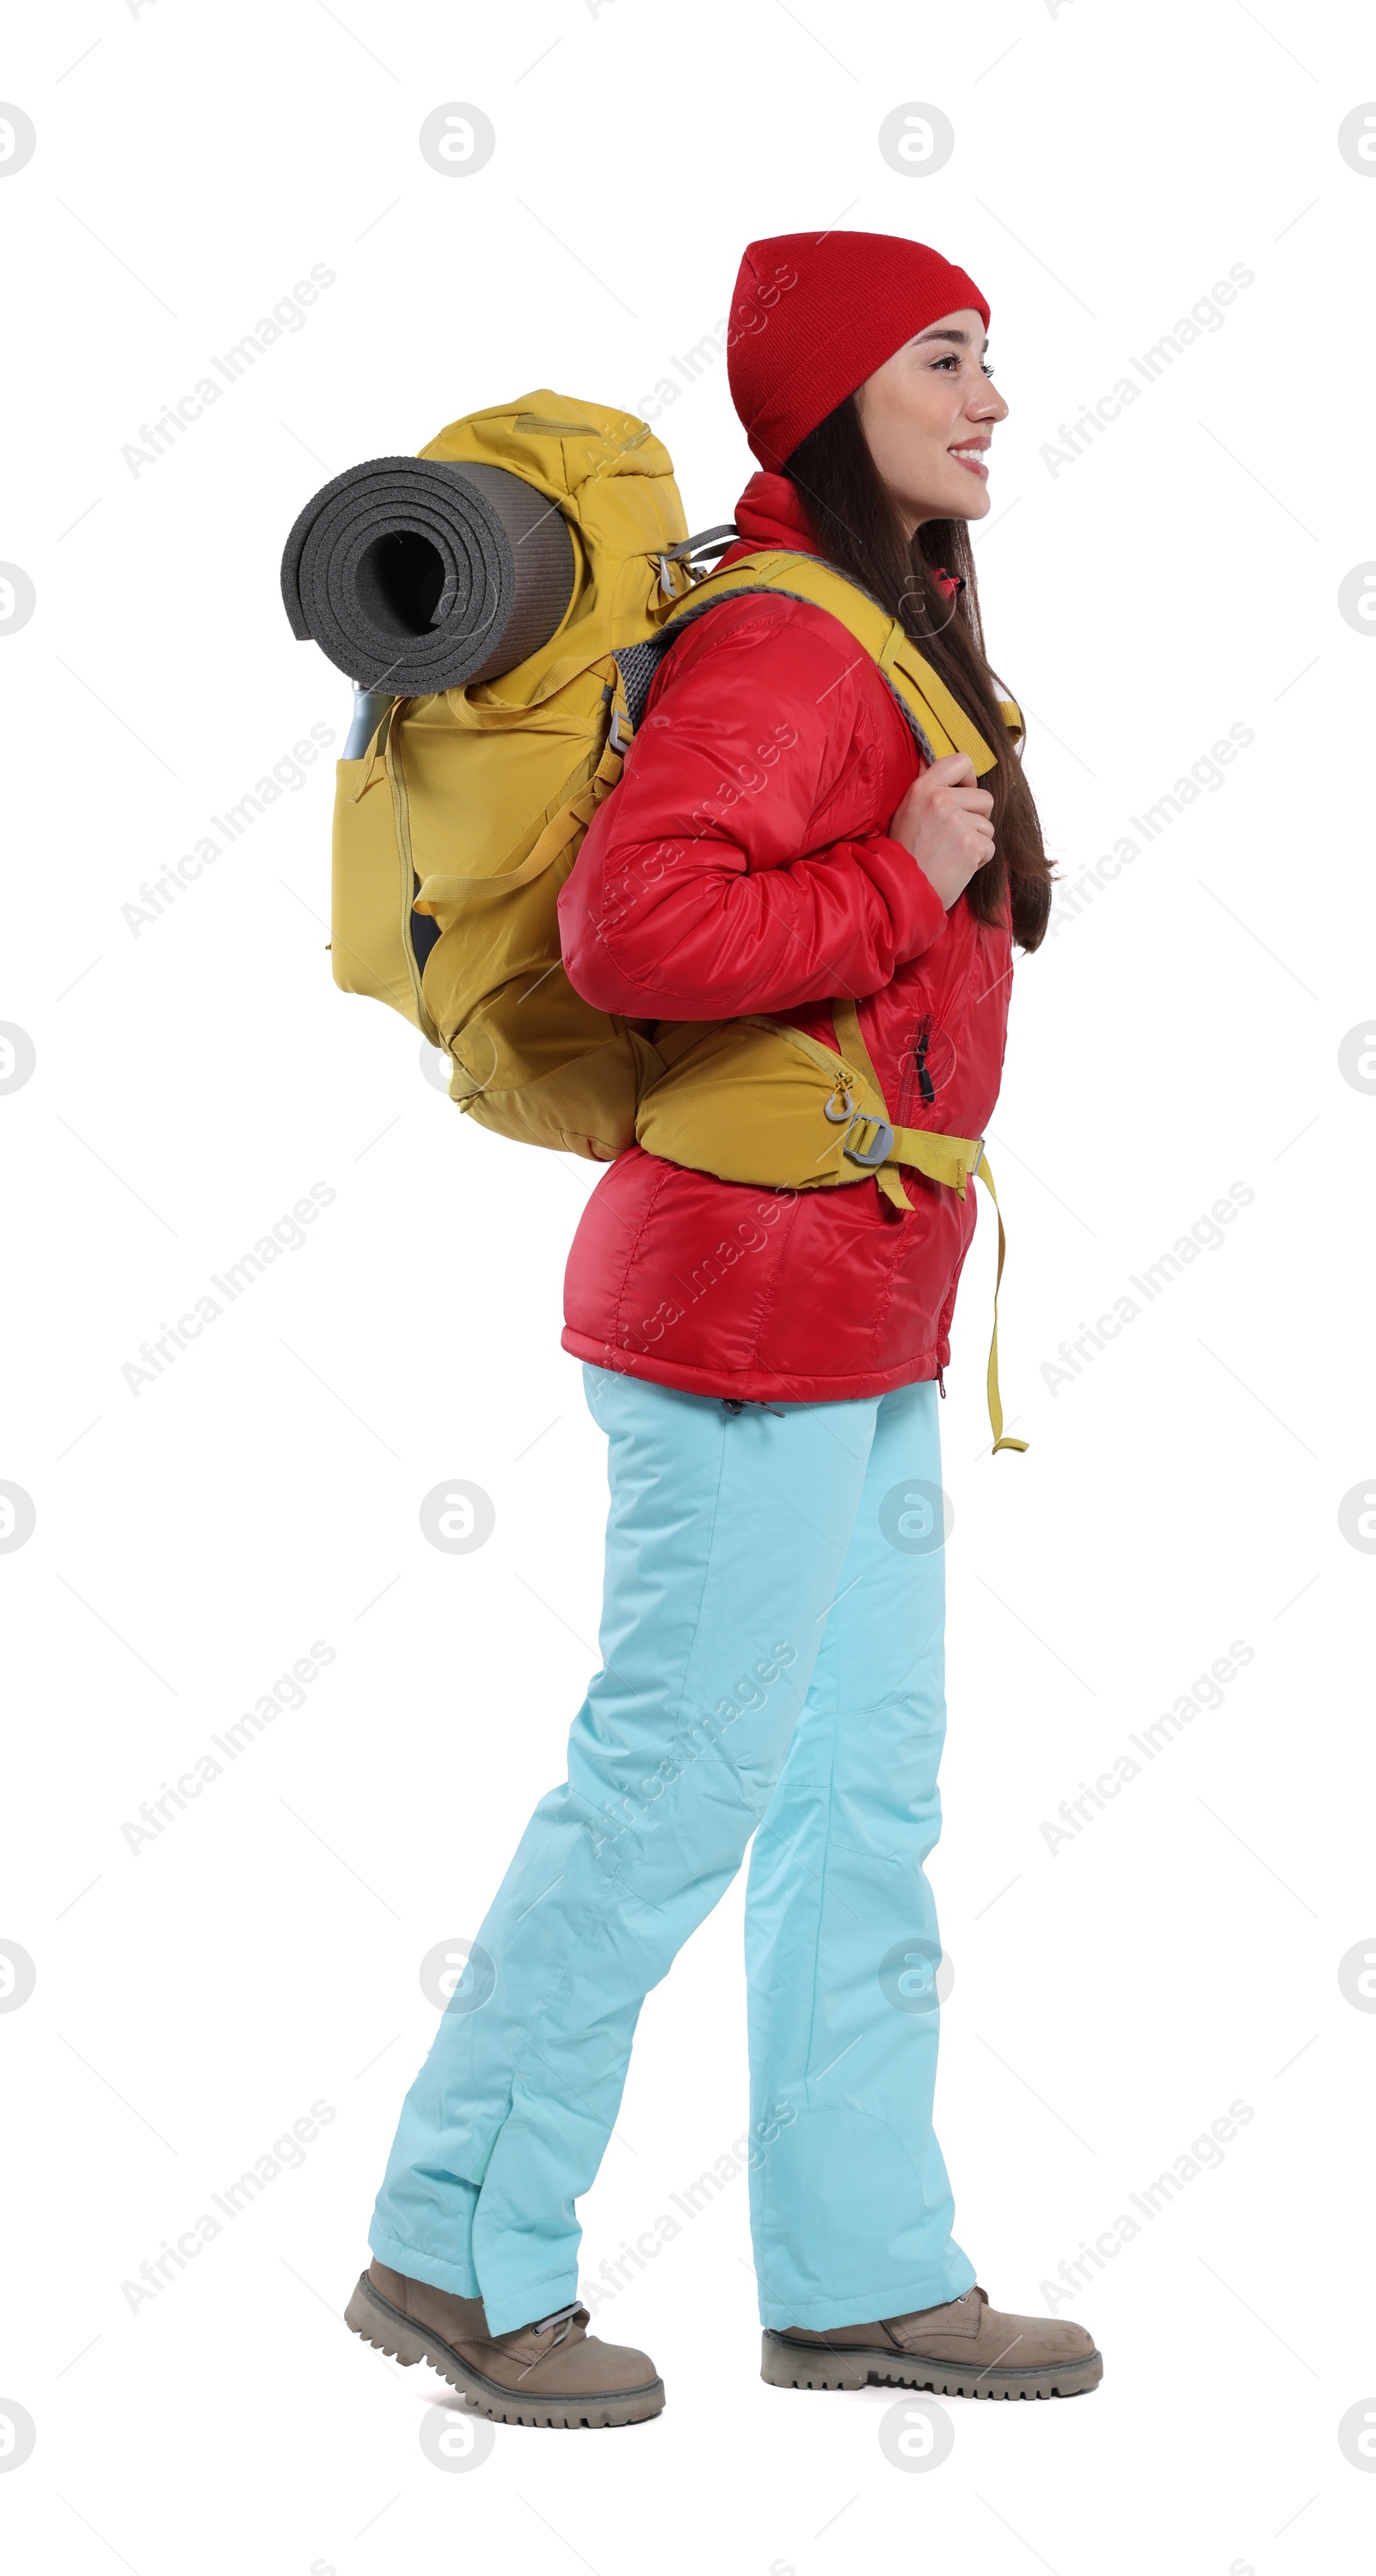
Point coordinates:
[(939, 724)]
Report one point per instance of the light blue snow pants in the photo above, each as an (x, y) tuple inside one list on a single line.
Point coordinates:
[(771, 1647)]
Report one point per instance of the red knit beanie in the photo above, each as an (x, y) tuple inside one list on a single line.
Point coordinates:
[(814, 314)]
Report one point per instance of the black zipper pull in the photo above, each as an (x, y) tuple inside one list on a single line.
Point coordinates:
[(925, 1083)]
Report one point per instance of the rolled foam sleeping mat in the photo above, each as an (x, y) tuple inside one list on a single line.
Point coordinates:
[(414, 576)]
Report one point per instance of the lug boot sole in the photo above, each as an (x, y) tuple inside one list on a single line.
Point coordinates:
[(786, 2364), (384, 2327)]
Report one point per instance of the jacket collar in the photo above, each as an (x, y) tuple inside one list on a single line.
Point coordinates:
[(770, 512)]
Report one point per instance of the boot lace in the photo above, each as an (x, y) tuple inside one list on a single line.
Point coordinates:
[(558, 2321)]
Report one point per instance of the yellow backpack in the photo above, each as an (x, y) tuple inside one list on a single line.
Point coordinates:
[(462, 813)]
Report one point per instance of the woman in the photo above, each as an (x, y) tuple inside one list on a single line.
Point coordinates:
[(766, 1367)]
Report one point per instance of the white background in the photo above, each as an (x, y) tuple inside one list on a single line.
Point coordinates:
[(192, 1081)]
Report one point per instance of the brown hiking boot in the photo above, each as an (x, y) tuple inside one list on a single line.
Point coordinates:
[(552, 2372), (965, 2349)]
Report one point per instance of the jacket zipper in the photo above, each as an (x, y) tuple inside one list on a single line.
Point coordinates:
[(925, 1083)]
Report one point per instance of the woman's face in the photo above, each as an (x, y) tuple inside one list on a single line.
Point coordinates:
[(928, 415)]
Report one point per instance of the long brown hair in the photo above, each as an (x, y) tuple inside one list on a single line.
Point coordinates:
[(860, 531)]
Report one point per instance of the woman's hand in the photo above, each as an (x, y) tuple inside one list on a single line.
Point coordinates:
[(945, 821)]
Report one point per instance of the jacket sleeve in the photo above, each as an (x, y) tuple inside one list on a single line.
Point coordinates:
[(710, 883)]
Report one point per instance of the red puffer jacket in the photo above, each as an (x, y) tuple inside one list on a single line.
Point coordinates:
[(768, 715)]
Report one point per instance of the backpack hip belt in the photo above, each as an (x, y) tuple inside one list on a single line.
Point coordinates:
[(726, 1097)]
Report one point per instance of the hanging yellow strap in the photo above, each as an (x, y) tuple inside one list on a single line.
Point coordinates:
[(1001, 1438), (952, 1160)]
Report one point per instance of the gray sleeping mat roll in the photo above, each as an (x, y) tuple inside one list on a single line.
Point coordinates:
[(414, 576)]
